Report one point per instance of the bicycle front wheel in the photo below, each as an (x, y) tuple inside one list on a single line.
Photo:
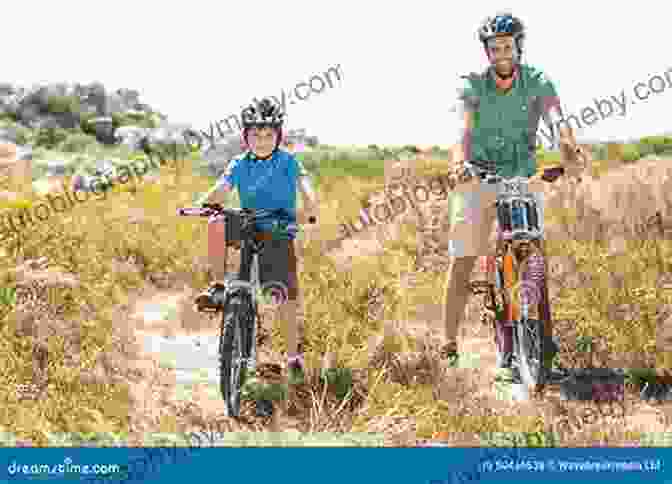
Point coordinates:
[(530, 336), (234, 350)]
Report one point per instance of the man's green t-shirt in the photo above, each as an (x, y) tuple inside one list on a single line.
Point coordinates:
[(505, 123)]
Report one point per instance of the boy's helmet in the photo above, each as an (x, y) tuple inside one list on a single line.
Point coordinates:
[(265, 113), (502, 24)]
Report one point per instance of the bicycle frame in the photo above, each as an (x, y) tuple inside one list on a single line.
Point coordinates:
[(248, 282), (520, 236)]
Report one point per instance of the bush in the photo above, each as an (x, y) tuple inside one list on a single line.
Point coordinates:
[(77, 142), (51, 137), (7, 116), (23, 135), (63, 104), (600, 152), (630, 153), (656, 144), (133, 119), (86, 125)]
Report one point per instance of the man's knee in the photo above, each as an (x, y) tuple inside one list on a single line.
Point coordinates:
[(459, 272), (463, 265)]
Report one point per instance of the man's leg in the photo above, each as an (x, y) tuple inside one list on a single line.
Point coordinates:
[(471, 223)]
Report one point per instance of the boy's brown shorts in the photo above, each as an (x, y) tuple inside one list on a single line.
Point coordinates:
[(277, 264)]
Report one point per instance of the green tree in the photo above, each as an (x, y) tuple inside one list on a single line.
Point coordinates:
[(63, 104), (630, 153), (50, 137)]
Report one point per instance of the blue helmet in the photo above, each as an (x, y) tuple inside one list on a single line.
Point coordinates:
[(502, 24)]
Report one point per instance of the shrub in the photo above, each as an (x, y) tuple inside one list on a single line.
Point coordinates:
[(50, 137), (133, 119), (77, 142), (86, 125), (656, 144), (7, 116), (23, 135), (600, 152), (63, 104), (630, 153)]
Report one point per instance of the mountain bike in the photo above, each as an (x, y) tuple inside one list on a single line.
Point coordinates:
[(237, 298), (516, 291)]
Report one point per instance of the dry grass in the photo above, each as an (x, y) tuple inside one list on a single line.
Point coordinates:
[(358, 315)]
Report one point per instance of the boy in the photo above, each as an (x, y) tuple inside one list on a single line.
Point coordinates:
[(266, 177)]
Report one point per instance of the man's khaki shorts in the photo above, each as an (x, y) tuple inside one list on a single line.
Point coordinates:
[(473, 218)]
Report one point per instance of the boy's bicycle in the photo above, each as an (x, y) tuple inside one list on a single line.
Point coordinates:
[(516, 291), (237, 298)]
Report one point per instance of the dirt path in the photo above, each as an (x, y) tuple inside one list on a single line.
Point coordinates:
[(172, 334)]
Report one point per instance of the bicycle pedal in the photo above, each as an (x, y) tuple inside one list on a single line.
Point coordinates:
[(205, 306), (479, 287)]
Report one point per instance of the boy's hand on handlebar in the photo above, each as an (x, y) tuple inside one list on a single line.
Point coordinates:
[(305, 218)]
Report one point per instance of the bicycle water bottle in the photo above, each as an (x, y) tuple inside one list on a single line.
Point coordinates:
[(523, 212), (504, 217), (516, 215), (531, 210)]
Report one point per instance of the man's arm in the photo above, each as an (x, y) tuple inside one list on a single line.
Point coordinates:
[(308, 194), (574, 160), (461, 149)]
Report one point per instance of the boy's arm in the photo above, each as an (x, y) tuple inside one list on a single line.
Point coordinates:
[(222, 192)]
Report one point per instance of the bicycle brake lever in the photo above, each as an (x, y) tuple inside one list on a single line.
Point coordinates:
[(552, 174)]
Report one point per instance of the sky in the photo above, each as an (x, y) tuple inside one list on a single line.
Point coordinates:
[(201, 61)]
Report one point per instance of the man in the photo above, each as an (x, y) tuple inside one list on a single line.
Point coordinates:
[(266, 177), (500, 110)]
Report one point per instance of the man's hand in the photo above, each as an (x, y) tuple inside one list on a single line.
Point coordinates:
[(575, 160)]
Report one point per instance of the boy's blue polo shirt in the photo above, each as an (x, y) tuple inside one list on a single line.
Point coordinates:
[(266, 184)]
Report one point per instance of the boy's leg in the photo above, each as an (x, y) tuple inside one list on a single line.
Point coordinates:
[(278, 271), (217, 250), (217, 257)]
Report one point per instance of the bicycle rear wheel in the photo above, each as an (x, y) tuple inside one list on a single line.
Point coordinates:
[(234, 350)]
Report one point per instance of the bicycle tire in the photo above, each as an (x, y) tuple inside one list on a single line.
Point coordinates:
[(530, 332), (234, 350)]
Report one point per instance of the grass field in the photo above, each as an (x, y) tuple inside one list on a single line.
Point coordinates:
[(136, 227)]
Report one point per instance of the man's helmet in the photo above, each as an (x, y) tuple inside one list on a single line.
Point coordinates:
[(502, 24)]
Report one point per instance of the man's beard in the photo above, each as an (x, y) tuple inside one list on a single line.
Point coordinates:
[(504, 72)]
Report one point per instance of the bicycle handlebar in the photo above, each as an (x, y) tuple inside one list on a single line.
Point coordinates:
[(549, 175), (252, 215)]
